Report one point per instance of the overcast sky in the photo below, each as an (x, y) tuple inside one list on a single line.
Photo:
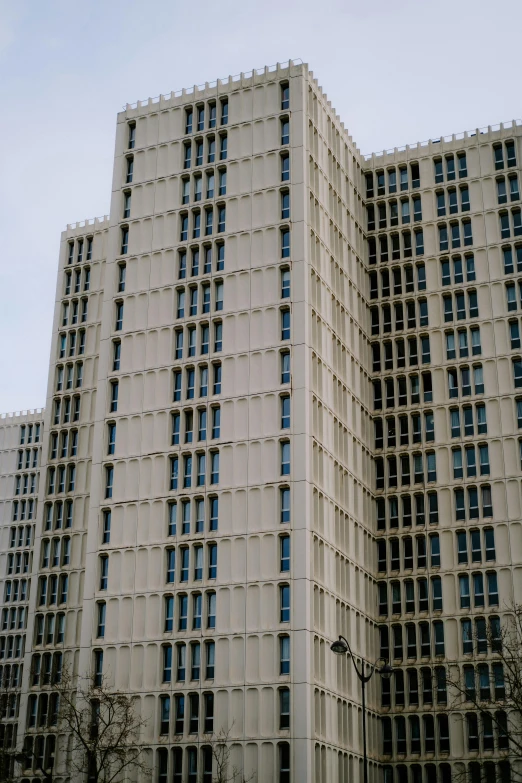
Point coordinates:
[(397, 72)]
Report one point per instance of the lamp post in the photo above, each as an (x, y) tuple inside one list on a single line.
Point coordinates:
[(341, 647)]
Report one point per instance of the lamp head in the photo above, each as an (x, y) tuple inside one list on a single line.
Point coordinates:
[(386, 671), (339, 647)]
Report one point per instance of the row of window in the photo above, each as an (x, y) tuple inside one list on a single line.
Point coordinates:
[(511, 295), (174, 657), (400, 244), (187, 301), (479, 637), (198, 568), (201, 260), (191, 519), (75, 311), (28, 431), (509, 253), (42, 712), (183, 621), (405, 424), (21, 535), (416, 346), (477, 580), (504, 154), (193, 189), (505, 186), (9, 708), (61, 479), (18, 563), (478, 772), (58, 515), (206, 117), (467, 502), (400, 745), (49, 628), (27, 458), (16, 590), (189, 387), (452, 272), (511, 223), (403, 600), (424, 469), (194, 764), (392, 593), (466, 507), (419, 503), (63, 444), (11, 676), (464, 376), (423, 640), (464, 338), (14, 618), (71, 344), (73, 281), (470, 456), (460, 232), (389, 213), (414, 745), (38, 752), (191, 431), (56, 552), (12, 646), (46, 669), (26, 483), (490, 687), (69, 377), (514, 334), (52, 589), (24, 509), (81, 245), (192, 722), (195, 471), (392, 546), (402, 396), (416, 316), (464, 416), (481, 546), (493, 731), (455, 304), (216, 149), (398, 273), (390, 186), (452, 200), (194, 227)]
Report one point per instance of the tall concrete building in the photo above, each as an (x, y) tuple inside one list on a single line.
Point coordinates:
[(282, 406)]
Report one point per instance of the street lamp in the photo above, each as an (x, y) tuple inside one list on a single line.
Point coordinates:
[(341, 647)]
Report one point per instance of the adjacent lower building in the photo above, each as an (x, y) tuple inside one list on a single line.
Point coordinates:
[(282, 406)]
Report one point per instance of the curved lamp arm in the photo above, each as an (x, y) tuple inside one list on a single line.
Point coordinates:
[(360, 673)]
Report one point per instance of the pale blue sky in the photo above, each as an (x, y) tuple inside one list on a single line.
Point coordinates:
[(397, 72)]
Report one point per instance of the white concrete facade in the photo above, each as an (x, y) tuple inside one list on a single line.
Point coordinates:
[(229, 491)]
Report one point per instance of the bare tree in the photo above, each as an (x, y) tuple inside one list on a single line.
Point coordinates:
[(491, 690), (225, 771), (101, 730)]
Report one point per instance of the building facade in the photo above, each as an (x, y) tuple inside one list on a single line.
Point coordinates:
[(21, 438), (282, 406)]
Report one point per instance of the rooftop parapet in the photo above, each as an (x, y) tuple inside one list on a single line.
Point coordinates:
[(34, 413), (218, 86), (490, 132), (97, 224)]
